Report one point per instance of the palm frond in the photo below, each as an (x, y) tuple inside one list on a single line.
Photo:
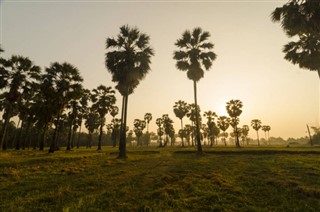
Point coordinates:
[(180, 55), (182, 65)]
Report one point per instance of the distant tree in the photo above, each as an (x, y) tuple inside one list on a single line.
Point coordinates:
[(192, 115), (17, 75), (160, 132), (114, 125), (102, 101), (181, 109), (168, 128), (83, 110), (92, 124), (213, 130), (256, 125), (234, 109), (147, 119), (139, 126), (223, 123), (128, 60), (245, 132), (194, 56), (301, 18)]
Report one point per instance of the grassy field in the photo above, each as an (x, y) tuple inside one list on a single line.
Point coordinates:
[(157, 179)]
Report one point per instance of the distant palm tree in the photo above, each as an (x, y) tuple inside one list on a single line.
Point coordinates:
[(128, 60), (245, 132), (85, 97), (223, 123), (92, 123), (102, 101), (168, 128), (266, 128), (139, 126), (234, 109), (160, 132), (195, 56), (19, 73), (256, 125), (147, 119), (181, 109)]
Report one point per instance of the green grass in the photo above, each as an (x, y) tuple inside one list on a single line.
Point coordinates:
[(155, 179)]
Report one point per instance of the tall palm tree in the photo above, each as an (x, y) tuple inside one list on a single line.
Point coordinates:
[(256, 125), (234, 109), (301, 19), (194, 56), (128, 60), (266, 128), (223, 124), (61, 84), (181, 109), (212, 127), (19, 74), (102, 101), (147, 119)]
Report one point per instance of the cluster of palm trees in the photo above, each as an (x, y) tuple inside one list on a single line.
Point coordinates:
[(52, 100)]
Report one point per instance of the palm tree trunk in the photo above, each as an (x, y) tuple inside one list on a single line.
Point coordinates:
[(237, 137), (197, 117), (41, 145), (69, 136), (122, 144), (78, 141), (53, 145), (17, 138), (182, 136), (100, 134), (258, 138), (5, 126)]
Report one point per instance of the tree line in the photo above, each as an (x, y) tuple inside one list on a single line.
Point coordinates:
[(55, 97)]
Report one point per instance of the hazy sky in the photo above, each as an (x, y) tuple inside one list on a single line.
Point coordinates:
[(249, 66)]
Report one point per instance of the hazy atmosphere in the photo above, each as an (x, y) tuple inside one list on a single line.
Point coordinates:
[(249, 64)]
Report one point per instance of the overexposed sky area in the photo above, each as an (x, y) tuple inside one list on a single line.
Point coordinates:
[(249, 66)]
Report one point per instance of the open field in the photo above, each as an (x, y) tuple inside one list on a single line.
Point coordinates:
[(154, 179)]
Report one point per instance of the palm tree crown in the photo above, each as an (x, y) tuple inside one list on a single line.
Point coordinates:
[(194, 55)]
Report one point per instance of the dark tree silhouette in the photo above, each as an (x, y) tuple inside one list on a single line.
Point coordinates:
[(61, 84), (147, 119), (19, 74), (194, 56), (102, 101), (256, 125), (128, 60), (181, 109), (301, 18), (234, 109), (223, 123), (139, 126)]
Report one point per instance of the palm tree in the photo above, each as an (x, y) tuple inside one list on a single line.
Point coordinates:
[(212, 127), (301, 18), (61, 84), (223, 123), (113, 112), (195, 56), (19, 73), (159, 123), (85, 97), (256, 125), (192, 115), (102, 101), (128, 60), (92, 123), (181, 109), (147, 119), (245, 132), (234, 110), (139, 126), (266, 128), (168, 128)]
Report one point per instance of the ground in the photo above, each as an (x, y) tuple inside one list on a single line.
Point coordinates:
[(161, 179)]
